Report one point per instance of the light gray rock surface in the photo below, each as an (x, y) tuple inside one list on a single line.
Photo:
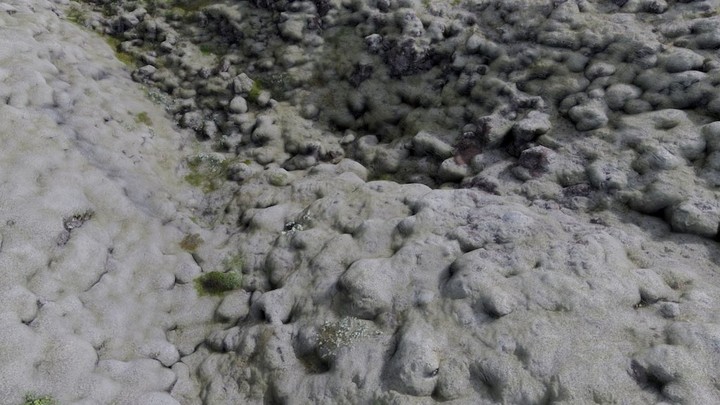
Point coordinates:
[(359, 202)]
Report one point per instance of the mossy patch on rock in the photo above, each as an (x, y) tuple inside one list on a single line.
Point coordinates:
[(32, 399), (217, 282), (143, 118), (207, 171), (255, 91), (191, 242), (123, 57), (233, 262), (77, 15)]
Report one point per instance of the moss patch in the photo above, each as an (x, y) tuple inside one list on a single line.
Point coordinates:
[(255, 91), (212, 48), (207, 171), (32, 399), (143, 118), (123, 57), (191, 6), (191, 242), (218, 283), (77, 15), (233, 263)]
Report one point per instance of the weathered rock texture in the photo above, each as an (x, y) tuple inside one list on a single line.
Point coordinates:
[(359, 202)]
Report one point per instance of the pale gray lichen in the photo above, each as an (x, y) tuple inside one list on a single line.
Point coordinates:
[(344, 332)]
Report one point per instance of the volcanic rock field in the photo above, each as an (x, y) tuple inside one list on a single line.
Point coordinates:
[(359, 202)]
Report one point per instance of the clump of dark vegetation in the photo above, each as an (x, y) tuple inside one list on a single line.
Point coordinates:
[(217, 282), (191, 242), (32, 399)]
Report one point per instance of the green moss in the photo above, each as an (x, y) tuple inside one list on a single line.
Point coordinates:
[(255, 91), (77, 15), (191, 242), (217, 283), (279, 179), (143, 118), (211, 48), (191, 6), (123, 57), (233, 263), (195, 179), (32, 399), (207, 171), (154, 6)]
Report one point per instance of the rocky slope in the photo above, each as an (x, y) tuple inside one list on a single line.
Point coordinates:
[(360, 202)]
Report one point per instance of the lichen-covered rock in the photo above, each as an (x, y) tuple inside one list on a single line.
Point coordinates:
[(681, 60), (340, 289), (589, 116), (697, 217)]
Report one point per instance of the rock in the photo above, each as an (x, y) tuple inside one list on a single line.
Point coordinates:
[(607, 176), (265, 130), (656, 197), (162, 351), (409, 23), (238, 105), (697, 217), (406, 58), (427, 143), (451, 171), (711, 132), (368, 287), (273, 306), (477, 44), (494, 128), (292, 28), (415, 365), (681, 60), (192, 120), (708, 40), (482, 293), (453, 379), (713, 107), (670, 309), (618, 95), (160, 398), (242, 84), (374, 43), (532, 126), (655, 6), (537, 160), (234, 306), (588, 117), (599, 69), (654, 158), (210, 129)]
